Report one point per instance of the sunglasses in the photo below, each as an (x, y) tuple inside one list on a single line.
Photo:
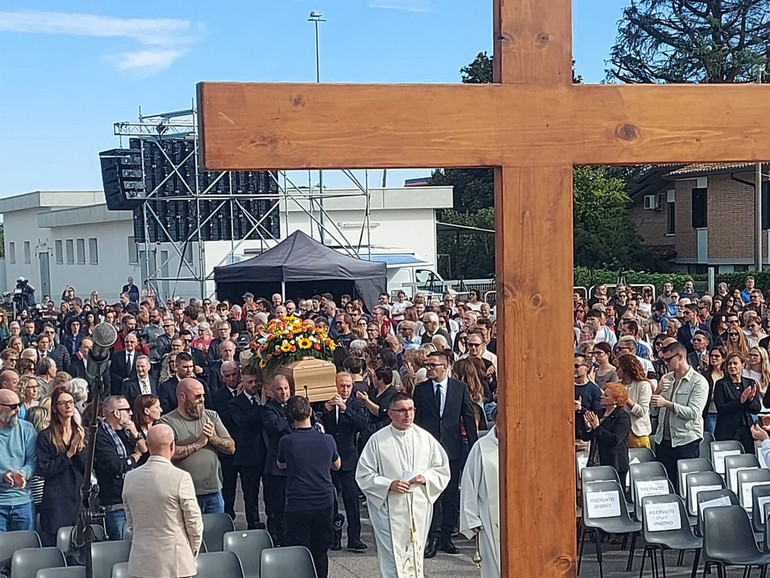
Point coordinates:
[(731, 334), (667, 360), (11, 406)]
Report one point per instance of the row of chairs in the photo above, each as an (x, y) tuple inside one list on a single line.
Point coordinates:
[(243, 554)]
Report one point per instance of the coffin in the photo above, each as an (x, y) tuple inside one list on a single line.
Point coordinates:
[(311, 377)]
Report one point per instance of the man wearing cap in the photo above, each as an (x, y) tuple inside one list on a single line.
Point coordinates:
[(248, 302)]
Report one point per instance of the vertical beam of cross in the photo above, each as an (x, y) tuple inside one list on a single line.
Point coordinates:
[(533, 210)]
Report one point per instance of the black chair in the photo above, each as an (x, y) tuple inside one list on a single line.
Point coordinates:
[(734, 464), (605, 474), (766, 541), (290, 561), (687, 466), (106, 554), (711, 499), (720, 450), (248, 546), (68, 572), (644, 471), (222, 565), (615, 520), (701, 482), (120, 570), (64, 537), (640, 455), (657, 486), (215, 526), (26, 562), (16, 540), (676, 538), (729, 540), (747, 481), (705, 444), (760, 495)]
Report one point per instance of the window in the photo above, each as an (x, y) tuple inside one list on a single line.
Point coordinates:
[(93, 251), (81, 251), (69, 245), (133, 251), (699, 208), (27, 253), (59, 252), (12, 253), (670, 218)]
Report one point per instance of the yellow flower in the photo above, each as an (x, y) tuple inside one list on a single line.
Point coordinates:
[(304, 343), (285, 346)]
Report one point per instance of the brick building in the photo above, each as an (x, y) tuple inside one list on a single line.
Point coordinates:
[(702, 215)]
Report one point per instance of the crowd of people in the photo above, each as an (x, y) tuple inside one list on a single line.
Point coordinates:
[(185, 365), (664, 371)]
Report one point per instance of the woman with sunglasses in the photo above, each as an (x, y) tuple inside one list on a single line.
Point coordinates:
[(758, 369), (61, 461), (736, 341), (713, 373)]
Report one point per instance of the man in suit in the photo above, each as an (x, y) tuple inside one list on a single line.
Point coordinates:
[(215, 380), (344, 417), (275, 425), (162, 512), (250, 450), (167, 389), (220, 400), (690, 325), (142, 383), (123, 363), (441, 405)]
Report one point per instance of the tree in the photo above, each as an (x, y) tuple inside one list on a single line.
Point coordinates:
[(691, 41)]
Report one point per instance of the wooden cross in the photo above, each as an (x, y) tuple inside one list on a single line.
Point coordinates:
[(532, 126)]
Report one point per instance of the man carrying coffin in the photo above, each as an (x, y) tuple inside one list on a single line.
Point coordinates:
[(480, 501), (402, 471)]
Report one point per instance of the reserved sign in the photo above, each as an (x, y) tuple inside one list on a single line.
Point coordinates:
[(662, 517), (603, 504)]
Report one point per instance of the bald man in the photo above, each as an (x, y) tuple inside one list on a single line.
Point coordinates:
[(200, 437), (18, 459), (162, 512)]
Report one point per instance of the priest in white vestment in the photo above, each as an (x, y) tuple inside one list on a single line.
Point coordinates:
[(402, 471), (480, 501)]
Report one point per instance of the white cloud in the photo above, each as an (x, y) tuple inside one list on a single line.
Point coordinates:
[(162, 40), (408, 5)]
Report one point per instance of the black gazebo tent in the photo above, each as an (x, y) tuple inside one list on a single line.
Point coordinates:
[(301, 267)]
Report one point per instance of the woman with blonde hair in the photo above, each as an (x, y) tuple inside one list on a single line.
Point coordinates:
[(631, 374), (758, 368), (28, 391), (61, 461), (15, 343), (736, 342)]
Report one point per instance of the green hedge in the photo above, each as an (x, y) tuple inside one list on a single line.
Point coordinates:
[(584, 277)]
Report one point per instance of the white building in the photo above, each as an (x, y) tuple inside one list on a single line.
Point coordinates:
[(59, 238)]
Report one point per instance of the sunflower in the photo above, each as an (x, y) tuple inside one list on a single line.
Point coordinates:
[(304, 343), (286, 347)]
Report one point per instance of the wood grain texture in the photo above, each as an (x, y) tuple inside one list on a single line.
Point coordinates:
[(299, 126), (533, 217), (532, 41)]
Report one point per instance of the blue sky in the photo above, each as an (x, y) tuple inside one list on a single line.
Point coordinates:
[(69, 69)]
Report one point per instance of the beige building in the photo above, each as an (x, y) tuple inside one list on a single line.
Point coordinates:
[(702, 215)]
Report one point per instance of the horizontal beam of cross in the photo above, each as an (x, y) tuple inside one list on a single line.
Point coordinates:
[(299, 126)]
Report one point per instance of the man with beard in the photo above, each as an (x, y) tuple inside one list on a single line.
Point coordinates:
[(200, 437), (18, 459)]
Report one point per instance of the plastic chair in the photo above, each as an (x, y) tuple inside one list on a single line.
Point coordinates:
[(127, 534), (713, 498), (613, 523), (680, 538), (26, 562), (604, 474), (222, 565), (729, 540), (657, 486), (64, 537), (734, 464), (16, 540), (684, 467), (248, 546), (106, 554), (640, 455), (68, 572), (293, 561), (120, 570), (215, 526), (719, 450), (747, 481), (760, 495), (700, 482), (644, 471), (705, 444)]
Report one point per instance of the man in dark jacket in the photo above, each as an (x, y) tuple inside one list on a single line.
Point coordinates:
[(220, 403), (250, 450), (442, 405), (344, 418), (275, 425), (118, 449)]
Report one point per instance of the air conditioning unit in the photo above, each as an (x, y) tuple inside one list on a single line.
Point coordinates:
[(651, 202)]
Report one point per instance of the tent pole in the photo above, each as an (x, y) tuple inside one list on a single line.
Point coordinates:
[(283, 291)]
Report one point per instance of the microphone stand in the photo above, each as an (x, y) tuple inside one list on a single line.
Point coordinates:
[(84, 533)]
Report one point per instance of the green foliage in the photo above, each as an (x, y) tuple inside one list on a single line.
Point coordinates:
[(472, 254), (585, 277), (738, 280), (672, 41)]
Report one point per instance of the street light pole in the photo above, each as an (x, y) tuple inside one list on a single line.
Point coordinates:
[(316, 17)]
